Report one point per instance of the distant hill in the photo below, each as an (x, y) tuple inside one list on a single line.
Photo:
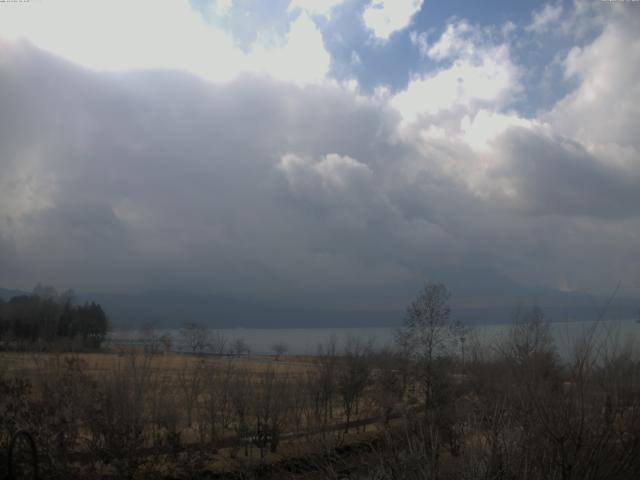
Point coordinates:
[(492, 302), (173, 308), (7, 293)]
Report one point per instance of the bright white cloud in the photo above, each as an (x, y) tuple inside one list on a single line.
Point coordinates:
[(542, 20), (100, 36), (486, 125), (605, 107), (420, 41), (315, 7), (480, 74), (301, 59), (455, 41), (162, 35), (466, 83), (384, 17)]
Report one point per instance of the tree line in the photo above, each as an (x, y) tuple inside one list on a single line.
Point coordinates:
[(46, 316)]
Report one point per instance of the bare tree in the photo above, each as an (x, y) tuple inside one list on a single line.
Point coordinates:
[(240, 347), (270, 405), (279, 349), (529, 337), (353, 376), (195, 337), (217, 342), (240, 392), (119, 411), (428, 332), (190, 379), (149, 337), (217, 400), (327, 377), (388, 389), (167, 341), (427, 337)]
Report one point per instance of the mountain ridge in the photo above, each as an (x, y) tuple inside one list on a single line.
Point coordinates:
[(171, 308)]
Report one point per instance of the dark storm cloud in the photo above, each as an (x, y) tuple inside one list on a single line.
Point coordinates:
[(183, 177), (554, 175)]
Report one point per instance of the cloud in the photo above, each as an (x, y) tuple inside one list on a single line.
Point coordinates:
[(355, 58), (478, 73), (385, 17), (570, 168), (554, 175), (220, 8), (181, 177), (543, 19), (486, 125), (508, 157), (279, 183), (301, 59), (604, 108), (420, 41), (327, 178), (174, 36), (457, 40), (315, 7)]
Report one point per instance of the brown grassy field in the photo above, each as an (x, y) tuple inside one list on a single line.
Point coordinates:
[(28, 364), (238, 412), (512, 411)]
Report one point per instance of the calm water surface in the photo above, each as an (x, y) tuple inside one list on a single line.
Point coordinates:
[(305, 341)]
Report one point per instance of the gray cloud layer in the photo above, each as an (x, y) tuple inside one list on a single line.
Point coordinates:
[(256, 187)]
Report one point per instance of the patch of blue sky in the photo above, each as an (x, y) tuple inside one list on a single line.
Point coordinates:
[(391, 63), (357, 54), (246, 19)]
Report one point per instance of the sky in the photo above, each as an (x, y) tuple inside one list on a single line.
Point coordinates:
[(319, 149)]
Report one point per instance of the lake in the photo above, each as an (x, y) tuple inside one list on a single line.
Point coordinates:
[(305, 341)]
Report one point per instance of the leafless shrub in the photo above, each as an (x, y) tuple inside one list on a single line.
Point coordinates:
[(216, 405), (353, 377), (190, 381), (241, 394), (118, 412), (270, 408)]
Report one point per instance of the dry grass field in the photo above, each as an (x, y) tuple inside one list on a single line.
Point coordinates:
[(509, 411), (29, 364), (236, 412)]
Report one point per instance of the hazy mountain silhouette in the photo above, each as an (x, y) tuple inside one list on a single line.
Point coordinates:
[(478, 296)]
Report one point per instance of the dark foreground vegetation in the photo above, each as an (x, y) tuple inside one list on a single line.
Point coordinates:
[(441, 405), (46, 318)]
